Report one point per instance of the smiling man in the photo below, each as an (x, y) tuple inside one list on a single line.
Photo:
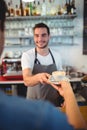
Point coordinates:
[(37, 65)]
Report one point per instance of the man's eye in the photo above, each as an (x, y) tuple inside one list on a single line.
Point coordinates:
[(43, 35)]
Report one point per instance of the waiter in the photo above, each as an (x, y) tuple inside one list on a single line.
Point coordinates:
[(37, 65)]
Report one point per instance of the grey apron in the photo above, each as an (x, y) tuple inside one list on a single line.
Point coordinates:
[(40, 91)]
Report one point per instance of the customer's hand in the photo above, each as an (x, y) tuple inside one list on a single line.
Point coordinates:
[(63, 88)]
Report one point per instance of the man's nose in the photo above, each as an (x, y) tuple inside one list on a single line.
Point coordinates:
[(40, 38)]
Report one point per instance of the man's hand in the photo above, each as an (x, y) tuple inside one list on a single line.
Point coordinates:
[(43, 77)]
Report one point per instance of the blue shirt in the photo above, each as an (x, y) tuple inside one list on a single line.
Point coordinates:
[(17, 113)]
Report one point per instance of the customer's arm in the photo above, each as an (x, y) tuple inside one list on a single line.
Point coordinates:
[(72, 110), (31, 80)]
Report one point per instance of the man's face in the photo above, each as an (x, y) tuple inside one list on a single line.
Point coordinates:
[(1, 42), (41, 37)]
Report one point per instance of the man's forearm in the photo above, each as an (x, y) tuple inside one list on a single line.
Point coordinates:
[(31, 81)]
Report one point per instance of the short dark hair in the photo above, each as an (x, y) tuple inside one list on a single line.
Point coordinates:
[(42, 25), (3, 10)]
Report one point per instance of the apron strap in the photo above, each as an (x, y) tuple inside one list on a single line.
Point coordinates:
[(36, 61), (52, 56)]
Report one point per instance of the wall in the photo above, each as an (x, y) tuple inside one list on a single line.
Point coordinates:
[(72, 55)]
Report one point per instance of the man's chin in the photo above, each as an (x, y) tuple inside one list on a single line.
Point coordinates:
[(42, 47)]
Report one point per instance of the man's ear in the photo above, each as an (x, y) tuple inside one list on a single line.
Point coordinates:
[(49, 36)]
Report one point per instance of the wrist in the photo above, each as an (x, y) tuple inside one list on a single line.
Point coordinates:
[(68, 95)]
